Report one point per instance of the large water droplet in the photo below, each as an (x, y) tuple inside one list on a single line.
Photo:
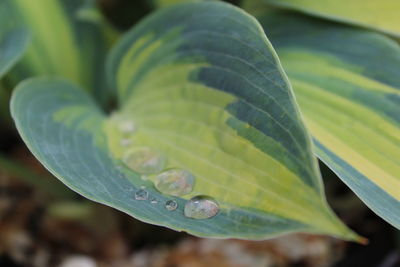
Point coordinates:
[(171, 205), (201, 207), (144, 160), (175, 182), (141, 194)]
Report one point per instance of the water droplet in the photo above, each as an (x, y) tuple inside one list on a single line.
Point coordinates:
[(144, 160), (171, 205), (175, 182), (125, 142), (126, 126), (124, 123), (141, 195), (154, 201), (201, 207)]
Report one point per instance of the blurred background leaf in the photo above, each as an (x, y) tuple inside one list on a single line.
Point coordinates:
[(13, 39), (67, 40), (382, 15), (347, 84)]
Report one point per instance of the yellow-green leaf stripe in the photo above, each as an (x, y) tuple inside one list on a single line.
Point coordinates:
[(382, 15)]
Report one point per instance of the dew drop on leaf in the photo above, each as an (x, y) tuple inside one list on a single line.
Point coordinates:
[(141, 194), (171, 205), (154, 201), (125, 142), (126, 126), (144, 160), (175, 182), (201, 207)]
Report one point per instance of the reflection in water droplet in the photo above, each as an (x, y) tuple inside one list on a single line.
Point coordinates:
[(141, 195), (175, 182), (144, 160), (201, 207), (154, 201), (171, 205)]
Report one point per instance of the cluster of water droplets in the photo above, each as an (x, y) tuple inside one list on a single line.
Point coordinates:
[(174, 182)]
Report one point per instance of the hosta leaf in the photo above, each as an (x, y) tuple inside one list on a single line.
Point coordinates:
[(67, 41), (347, 84), (13, 43), (200, 84), (382, 15), (13, 40), (165, 3), (256, 7)]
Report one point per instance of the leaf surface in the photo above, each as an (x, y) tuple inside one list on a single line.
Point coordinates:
[(381, 15), (203, 87), (347, 84)]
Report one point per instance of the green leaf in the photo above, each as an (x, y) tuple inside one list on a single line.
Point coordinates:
[(13, 40), (67, 41), (256, 7), (347, 84), (382, 15), (165, 3), (205, 89)]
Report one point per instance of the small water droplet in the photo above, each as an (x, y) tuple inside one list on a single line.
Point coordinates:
[(126, 126), (144, 160), (171, 205), (125, 142), (175, 182), (124, 123), (201, 207), (141, 194), (154, 201)]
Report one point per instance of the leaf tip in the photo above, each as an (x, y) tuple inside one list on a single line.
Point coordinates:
[(362, 240)]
